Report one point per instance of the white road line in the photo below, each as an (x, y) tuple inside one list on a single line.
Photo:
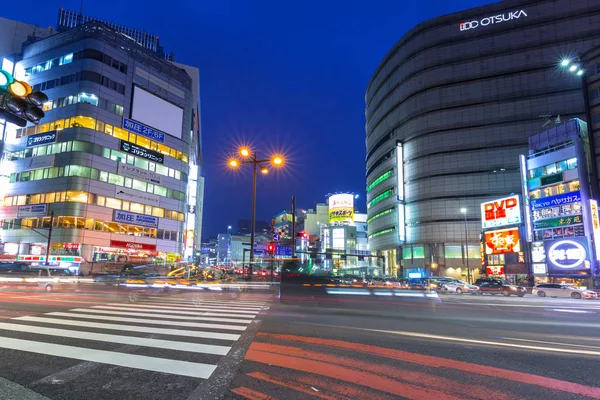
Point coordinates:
[(484, 342), (126, 307), (149, 321), (185, 368), (229, 301), (131, 340), (201, 304), (524, 305), (544, 342), (216, 314), (188, 308), (153, 314), (132, 328)]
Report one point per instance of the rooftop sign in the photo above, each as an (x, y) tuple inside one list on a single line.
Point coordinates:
[(495, 19)]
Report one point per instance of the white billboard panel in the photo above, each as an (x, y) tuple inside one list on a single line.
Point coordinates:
[(153, 111)]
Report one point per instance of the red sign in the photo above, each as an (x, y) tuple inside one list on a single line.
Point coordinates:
[(71, 246), (495, 270), (502, 241), (132, 246)]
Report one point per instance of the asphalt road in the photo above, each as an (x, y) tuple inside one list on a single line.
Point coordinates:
[(480, 347), (98, 345)]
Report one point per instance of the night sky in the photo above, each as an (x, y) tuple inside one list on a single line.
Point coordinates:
[(281, 76)]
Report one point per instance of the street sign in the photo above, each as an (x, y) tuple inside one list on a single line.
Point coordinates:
[(276, 237)]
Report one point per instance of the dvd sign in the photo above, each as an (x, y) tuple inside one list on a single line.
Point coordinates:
[(495, 19), (501, 212)]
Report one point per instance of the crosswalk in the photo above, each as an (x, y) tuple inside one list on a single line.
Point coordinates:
[(174, 327)]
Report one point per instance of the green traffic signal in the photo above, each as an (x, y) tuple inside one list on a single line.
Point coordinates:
[(5, 79)]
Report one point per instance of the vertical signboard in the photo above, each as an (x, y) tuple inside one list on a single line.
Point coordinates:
[(341, 208), (595, 227), (400, 171), (401, 224), (525, 190)]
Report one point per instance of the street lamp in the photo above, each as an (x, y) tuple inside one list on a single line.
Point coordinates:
[(464, 211), (250, 157)]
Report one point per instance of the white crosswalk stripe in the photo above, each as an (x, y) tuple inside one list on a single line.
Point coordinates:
[(204, 330)]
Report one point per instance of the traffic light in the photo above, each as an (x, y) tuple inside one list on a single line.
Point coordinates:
[(19, 104), (271, 248)]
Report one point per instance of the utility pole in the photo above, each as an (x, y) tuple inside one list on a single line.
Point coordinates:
[(293, 226), (49, 238)]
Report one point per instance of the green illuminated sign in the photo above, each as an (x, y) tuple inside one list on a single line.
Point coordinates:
[(557, 222)]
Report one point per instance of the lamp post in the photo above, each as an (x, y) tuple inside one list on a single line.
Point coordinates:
[(249, 157), (464, 211)]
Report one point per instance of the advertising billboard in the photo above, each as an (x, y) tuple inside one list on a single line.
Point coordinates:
[(501, 212), (567, 256), (502, 241), (495, 270), (595, 226), (341, 207), (152, 111)]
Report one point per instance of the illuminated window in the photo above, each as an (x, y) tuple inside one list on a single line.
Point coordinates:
[(163, 149), (139, 185), (77, 196), (47, 105), (66, 59), (116, 179), (87, 98), (137, 208), (113, 203), (85, 122), (111, 227), (144, 142), (120, 133), (21, 200), (89, 224), (158, 212)]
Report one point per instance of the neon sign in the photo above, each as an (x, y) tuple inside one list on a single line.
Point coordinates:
[(495, 19), (566, 254)]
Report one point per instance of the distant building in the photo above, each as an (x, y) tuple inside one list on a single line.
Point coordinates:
[(15, 34)]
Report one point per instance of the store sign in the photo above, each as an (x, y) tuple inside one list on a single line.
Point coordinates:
[(502, 241), (41, 138), (32, 211), (495, 19), (495, 270), (560, 199), (133, 246), (557, 222), (134, 172), (127, 217), (141, 129), (595, 226), (139, 151), (566, 254), (526, 199), (538, 253), (39, 162), (539, 269), (551, 179), (501, 212), (132, 195), (341, 207)]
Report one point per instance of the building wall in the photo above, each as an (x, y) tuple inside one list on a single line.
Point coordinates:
[(463, 103), (15, 33)]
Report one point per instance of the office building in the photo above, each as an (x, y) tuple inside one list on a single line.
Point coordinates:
[(449, 110), (109, 166)]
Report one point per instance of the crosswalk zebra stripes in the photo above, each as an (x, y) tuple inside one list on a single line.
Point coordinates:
[(207, 330)]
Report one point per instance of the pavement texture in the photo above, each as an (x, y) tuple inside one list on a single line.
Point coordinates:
[(257, 345)]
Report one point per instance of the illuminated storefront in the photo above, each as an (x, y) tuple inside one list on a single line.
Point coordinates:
[(561, 212)]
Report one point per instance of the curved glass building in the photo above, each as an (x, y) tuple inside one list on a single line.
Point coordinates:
[(449, 110)]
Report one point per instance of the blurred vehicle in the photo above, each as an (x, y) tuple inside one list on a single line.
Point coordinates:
[(16, 266), (562, 290), (459, 287), (499, 286), (38, 277), (128, 272)]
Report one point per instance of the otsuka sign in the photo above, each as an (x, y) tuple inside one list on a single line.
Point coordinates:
[(501, 212), (494, 19), (502, 241)]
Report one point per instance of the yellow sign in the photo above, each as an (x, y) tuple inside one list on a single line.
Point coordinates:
[(341, 207)]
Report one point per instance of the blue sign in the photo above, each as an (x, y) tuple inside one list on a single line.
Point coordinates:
[(41, 138), (135, 219), (559, 199), (143, 130), (32, 211), (285, 251), (276, 237)]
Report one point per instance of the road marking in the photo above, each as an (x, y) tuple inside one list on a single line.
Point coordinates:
[(570, 310), (161, 311), (483, 342), (149, 321), (131, 340), (185, 368), (189, 308), (132, 328), (199, 304), (557, 343), (150, 313)]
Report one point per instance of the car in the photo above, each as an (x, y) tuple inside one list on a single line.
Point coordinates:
[(562, 290), (499, 286), (459, 287)]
